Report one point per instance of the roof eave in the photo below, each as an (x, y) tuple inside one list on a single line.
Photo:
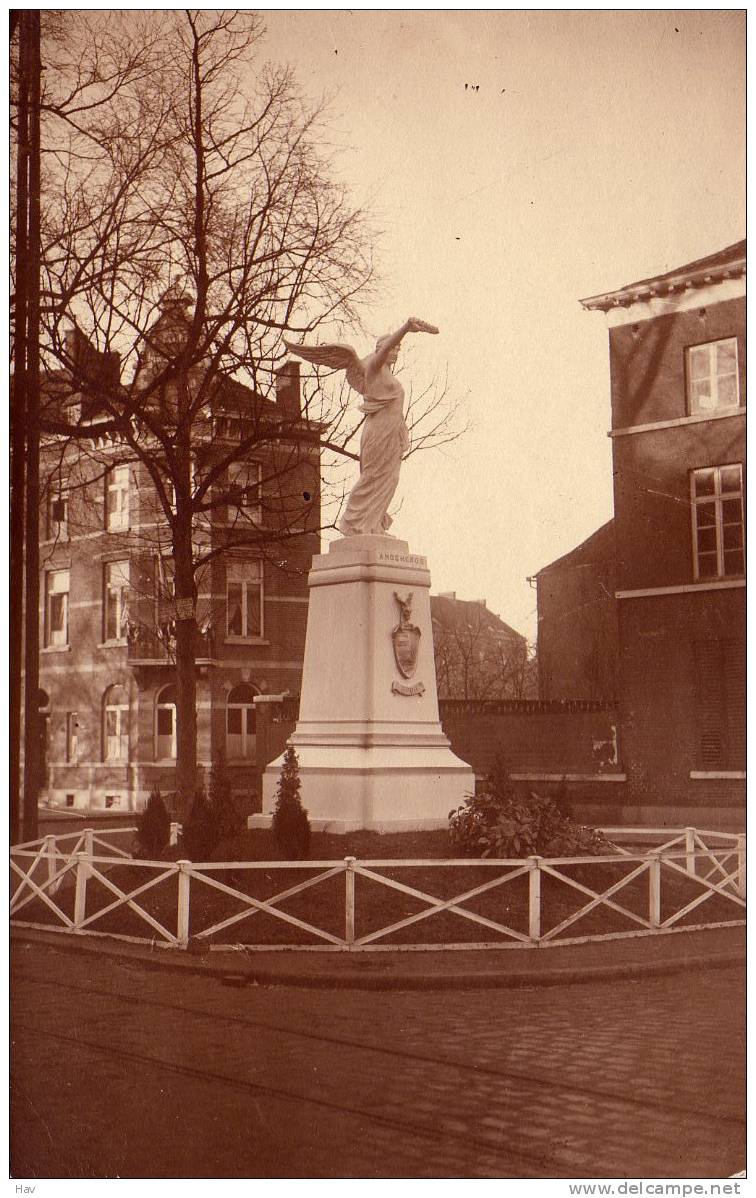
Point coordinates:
[(664, 285)]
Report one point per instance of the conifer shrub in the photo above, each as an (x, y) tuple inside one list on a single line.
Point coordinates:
[(200, 830), (226, 812), (291, 827), (153, 827), (499, 821)]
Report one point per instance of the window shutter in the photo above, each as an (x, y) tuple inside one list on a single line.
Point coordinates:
[(711, 705), (735, 693)]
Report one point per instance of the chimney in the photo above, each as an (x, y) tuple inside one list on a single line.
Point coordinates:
[(72, 340), (288, 396)]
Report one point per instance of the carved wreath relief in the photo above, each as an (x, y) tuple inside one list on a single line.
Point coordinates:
[(406, 640)]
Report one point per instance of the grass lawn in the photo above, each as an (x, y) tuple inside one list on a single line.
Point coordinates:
[(376, 905)]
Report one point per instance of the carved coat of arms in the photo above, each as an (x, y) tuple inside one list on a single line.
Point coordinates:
[(406, 638)]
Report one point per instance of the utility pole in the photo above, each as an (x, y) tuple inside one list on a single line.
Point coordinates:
[(18, 426), (24, 538), (33, 754)]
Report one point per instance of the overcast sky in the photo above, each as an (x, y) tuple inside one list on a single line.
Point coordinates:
[(518, 162)]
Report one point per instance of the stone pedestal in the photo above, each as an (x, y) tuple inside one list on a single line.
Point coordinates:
[(371, 750)]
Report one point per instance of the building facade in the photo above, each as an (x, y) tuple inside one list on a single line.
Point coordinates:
[(577, 621), (678, 387), (107, 618)]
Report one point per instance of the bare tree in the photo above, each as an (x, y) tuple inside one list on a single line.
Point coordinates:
[(192, 219), (477, 655)]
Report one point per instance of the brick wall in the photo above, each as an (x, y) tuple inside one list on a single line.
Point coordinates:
[(647, 360), (572, 736), (671, 705)]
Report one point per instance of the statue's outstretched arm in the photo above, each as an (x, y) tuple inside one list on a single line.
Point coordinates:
[(412, 325), (338, 357)]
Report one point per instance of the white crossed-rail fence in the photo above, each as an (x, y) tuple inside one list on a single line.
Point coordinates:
[(714, 861)]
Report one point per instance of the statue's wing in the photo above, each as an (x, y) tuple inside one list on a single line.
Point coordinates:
[(338, 357)]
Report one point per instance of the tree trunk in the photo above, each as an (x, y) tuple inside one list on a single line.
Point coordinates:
[(186, 688), (186, 624)]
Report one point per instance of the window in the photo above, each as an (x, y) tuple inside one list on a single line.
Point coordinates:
[(70, 800), (165, 605), (712, 376), (244, 599), (244, 480), (57, 512), (717, 503), (240, 722), (112, 801), (165, 738), (116, 605), (72, 735), (116, 724), (56, 607), (117, 499)]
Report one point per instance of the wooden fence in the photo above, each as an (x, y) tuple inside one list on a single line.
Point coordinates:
[(55, 876)]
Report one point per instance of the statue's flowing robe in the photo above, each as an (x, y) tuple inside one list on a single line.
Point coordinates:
[(385, 440)]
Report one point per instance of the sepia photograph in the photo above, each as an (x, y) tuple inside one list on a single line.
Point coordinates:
[(376, 604)]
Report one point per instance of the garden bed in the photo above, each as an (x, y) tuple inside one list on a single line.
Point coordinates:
[(376, 905)]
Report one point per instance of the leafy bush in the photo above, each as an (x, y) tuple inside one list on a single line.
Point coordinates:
[(500, 822), (291, 827), (200, 830), (153, 827)]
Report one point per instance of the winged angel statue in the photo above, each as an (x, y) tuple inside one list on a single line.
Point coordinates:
[(385, 438)]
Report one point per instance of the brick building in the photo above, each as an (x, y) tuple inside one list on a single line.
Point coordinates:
[(107, 670), (577, 621), (677, 360)]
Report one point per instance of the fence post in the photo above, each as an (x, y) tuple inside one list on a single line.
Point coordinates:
[(534, 898), (173, 840), (654, 890), (690, 850), (741, 880), (182, 916), (83, 869), (349, 907), (49, 851)]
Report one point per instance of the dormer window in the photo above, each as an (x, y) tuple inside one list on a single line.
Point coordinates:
[(712, 376)]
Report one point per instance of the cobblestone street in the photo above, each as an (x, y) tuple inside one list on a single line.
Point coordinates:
[(123, 1071)]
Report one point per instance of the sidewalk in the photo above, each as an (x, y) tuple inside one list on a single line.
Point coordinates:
[(608, 960)]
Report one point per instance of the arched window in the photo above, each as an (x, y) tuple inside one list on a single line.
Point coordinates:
[(165, 730), (240, 722), (116, 730)]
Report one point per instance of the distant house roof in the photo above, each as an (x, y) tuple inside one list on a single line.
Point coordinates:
[(450, 612), (727, 263), (598, 547)]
